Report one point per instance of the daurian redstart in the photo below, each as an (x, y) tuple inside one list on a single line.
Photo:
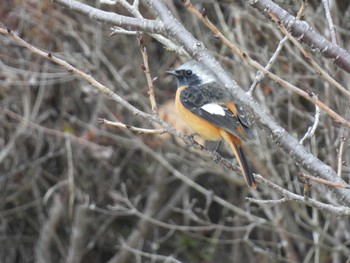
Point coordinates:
[(211, 111)]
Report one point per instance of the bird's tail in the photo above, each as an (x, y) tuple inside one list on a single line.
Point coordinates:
[(235, 145)]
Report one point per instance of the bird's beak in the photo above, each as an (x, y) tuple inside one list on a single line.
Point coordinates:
[(172, 73)]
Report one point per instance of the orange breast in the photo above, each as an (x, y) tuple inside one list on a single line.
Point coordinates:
[(205, 129)]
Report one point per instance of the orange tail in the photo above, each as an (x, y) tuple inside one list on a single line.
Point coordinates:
[(235, 144)]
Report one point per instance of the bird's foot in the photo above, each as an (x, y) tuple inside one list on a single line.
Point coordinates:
[(190, 142)]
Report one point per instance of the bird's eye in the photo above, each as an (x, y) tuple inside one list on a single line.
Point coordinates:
[(188, 72)]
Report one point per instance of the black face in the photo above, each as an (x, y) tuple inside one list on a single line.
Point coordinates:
[(186, 77)]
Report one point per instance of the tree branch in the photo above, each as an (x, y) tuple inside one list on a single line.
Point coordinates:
[(289, 196), (125, 22), (302, 31)]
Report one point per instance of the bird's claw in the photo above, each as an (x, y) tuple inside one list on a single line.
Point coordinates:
[(190, 142)]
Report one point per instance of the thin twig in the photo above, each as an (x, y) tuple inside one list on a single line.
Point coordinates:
[(79, 233), (143, 227), (131, 128), (53, 132), (146, 25), (260, 75), (48, 233), (311, 130), (301, 11), (334, 210), (330, 21), (207, 227), (146, 69), (323, 181), (118, 30), (134, 10), (108, 2), (267, 202), (340, 155), (71, 185), (153, 257)]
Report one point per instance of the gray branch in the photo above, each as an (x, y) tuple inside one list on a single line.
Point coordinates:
[(302, 31), (125, 22)]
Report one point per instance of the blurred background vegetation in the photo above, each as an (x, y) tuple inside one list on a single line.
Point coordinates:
[(73, 190)]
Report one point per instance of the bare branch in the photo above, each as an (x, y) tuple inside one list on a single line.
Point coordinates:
[(132, 128), (79, 235), (302, 31), (322, 181), (260, 75), (143, 227), (146, 69), (48, 231), (70, 179), (330, 21), (340, 155), (56, 133), (153, 257), (311, 130), (126, 22), (207, 226), (337, 211)]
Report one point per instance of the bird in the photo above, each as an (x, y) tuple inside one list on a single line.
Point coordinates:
[(211, 111)]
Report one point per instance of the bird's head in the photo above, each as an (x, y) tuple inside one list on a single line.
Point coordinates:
[(193, 73)]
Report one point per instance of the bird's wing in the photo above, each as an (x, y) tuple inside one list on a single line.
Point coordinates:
[(210, 104)]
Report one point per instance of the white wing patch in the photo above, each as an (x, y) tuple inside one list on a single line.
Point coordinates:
[(214, 108)]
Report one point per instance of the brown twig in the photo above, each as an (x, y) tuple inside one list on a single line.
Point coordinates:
[(145, 68), (323, 181), (301, 11)]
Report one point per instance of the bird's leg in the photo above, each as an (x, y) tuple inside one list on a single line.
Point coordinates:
[(217, 156), (190, 142), (218, 146)]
